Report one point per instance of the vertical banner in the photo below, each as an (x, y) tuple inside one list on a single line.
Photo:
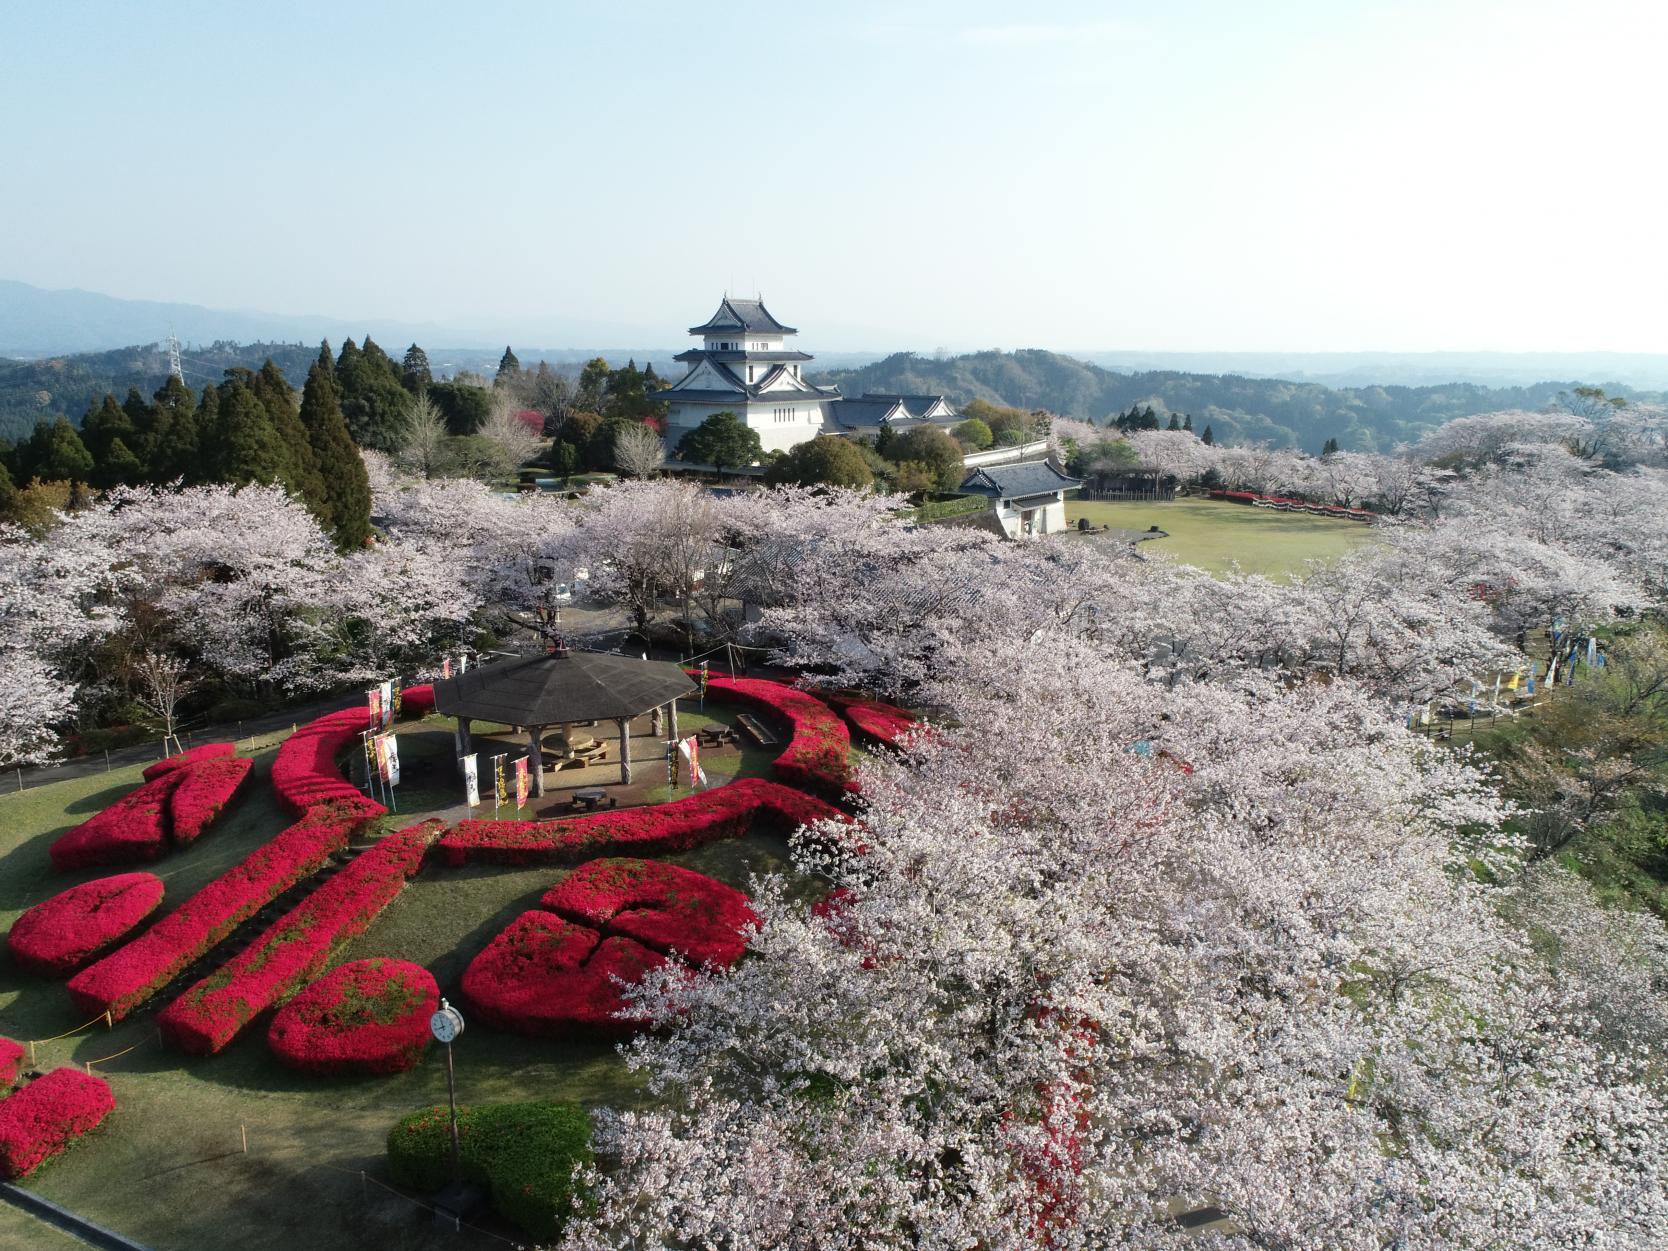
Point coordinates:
[(463, 663), (370, 758), (1534, 665), (703, 686), (387, 703), (690, 750), (471, 785), (520, 781), (1592, 651), (460, 744), (391, 759), (672, 765), (1497, 688), (399, 702), (374, 698), (445, 668), (500, 792)]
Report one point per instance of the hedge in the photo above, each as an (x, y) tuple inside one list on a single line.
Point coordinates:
[(131, 830), (128, 976), (205, 788), (11, 1060), (59, 935), (524, 1154), (304, 773), (549, 978), (817, 757), (366, 1016), (40, 1120), (662, 906), (724, 812), (886, 724), (294, 948), (191, 756)]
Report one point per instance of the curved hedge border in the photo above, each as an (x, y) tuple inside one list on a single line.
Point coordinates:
[(296, 946), (59, 935), (524, 1153), (366, 1016), (48, 1114), (886, 724), (706, 816), (662, 906), (203, 791), (171, 808), (11, 1060), (304, 773), (817, 755), (550, 978), (191, 756), (128, 976)]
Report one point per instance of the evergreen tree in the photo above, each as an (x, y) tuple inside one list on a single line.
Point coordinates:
[(725, 440), (1330, 446), (101, 427), (1207, 438), (301, 477), (55, 453), (171, 448), (1175, 423), (8, 490), (138, 412), (347, 490), (118, 465), (247, 446), (414, 370), (509, 369), (373, 398), (1187, 423)]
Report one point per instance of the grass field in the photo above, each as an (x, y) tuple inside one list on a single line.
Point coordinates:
[(1214, 535), (168, 1168)]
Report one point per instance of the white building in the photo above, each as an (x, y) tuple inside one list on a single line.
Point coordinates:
[(745, 366), (1029, 499)]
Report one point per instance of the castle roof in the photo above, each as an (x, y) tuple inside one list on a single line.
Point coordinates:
[(742, 317), (1035, 477)]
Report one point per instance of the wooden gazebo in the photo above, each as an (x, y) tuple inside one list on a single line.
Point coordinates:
[(562, 688)]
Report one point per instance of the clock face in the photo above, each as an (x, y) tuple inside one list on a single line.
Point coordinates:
[(444, 1025)]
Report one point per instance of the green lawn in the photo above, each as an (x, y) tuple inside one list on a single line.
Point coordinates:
[(1214, 535), (168, 1167)]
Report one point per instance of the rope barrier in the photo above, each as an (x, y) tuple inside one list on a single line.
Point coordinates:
[(34, 1042), (156, 1037)]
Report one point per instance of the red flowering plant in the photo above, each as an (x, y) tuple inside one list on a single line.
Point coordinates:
[(706, 816), (817, 757), (295, 947), (11, 1060), (662, 906), (884, 723), (184, 759), (205, 788), (129, 831), (59, 935), (304, 773), (550, 978), (40, 1120), (366, 1016), (131, 974)]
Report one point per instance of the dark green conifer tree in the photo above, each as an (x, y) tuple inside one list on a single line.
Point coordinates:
[(347, 488), (509, 369), (168, 446), (1175, 423), (302, 477), (1187, 423), (1207, 438), (414, 370), (248, 447), (373, 397), (55, 453)]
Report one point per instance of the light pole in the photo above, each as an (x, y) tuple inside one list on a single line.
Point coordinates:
[(446, 1025)]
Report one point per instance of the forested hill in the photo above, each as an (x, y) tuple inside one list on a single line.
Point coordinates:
[(1239, 410)]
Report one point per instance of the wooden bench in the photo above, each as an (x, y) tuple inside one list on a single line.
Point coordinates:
[(756, 729)]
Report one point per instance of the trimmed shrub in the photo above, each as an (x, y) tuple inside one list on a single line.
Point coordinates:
[(366, 1016), (40, 1120), (191, 756), (552, 979), (130, 831), (11, 1060), (296, 946), (524, 1154), (128, 976), (304, 773), (883, 723), (205, 788), (59, 935), (724, 812), (817, 756), (662, 906)]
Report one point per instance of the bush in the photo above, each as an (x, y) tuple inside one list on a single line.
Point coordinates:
[(883, 723), (524, 1154), (817, 757), (59, 935), (205, 788), (180, 760), (296, 946), (304, 773), (11, 1060), (931, 447), (825, 460), (47, 1115), (366, 1016), (662, 906), (141, 824)]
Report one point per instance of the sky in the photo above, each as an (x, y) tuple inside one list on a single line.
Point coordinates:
[(1232, 176)]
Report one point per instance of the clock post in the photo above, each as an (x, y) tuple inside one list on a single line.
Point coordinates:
[(446, 1025)]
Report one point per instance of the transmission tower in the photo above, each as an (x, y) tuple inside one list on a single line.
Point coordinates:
[(174, 366)]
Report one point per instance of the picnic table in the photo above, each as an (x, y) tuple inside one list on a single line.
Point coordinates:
[(592, 797)]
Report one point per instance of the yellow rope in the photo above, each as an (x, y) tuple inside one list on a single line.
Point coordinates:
[(157, 1037), (102, 1016)]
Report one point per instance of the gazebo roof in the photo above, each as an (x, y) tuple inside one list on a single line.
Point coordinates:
[(562, 687)]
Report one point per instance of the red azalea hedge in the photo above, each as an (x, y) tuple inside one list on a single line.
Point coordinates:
[(366, 1016), (204, 789), (706, 816), (131, 830), (11, 1060), (304, 773), (191, 756), (817, 756), (550, 978), (884, 723), (40, 1120), (660, 905), (59, 935), (297, 945), (131, 974)]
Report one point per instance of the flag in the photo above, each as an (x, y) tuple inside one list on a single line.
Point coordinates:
[(1552, 672), (463, 663), (1517, 678), (500, 790), (399, 701), (445, 668), (389, 750), (387, 703), (1425, 714), (1533, 665), (1497, 688), (1592, 651), (520, 781), (371, 766), (690, 749), (471, 786), (374, 698)]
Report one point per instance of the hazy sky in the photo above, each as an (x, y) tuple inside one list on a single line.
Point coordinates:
[(1209, 176)]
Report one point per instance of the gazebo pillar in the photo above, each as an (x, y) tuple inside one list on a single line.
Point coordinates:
[(535, 762), (462, 734), (625, 751), (654, 720)]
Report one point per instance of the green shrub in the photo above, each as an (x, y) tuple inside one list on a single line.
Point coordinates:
[(524, 1155)]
